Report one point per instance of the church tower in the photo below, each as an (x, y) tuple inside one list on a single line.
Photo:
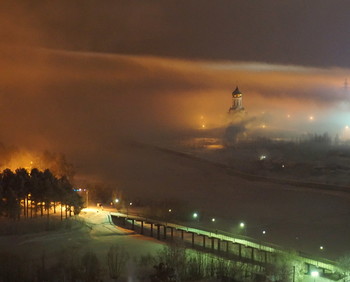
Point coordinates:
[(237, 105)]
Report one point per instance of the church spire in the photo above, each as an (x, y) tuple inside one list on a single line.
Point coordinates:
[(237, 101)]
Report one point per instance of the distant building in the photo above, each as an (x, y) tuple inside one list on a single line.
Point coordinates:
[(237, 103)]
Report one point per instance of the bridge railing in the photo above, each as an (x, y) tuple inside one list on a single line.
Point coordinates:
[(240, 239)]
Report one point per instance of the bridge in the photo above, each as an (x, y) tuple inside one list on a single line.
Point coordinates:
[(241, 248)]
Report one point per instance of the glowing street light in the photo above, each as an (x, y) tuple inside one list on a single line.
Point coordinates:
[(262, 157), (321, 248), (195, 215), (130, 204), (241, 225), (117, 200), (315, 273), (264, 232), (213, 219), (170, 210), (202, 121)]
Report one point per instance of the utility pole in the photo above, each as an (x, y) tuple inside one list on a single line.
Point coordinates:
[(293, 273), (87, 198)]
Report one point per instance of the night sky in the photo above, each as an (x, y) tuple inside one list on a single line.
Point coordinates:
[(299, 32)]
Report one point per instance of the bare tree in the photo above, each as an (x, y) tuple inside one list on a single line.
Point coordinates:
[(90, 267), (117, 258), (344, 264)]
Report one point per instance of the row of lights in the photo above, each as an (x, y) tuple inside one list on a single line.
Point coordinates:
[(264, 157), (195, 215), (79, 190), (242, 225), (202, 122), (117, 201), (311, 117)]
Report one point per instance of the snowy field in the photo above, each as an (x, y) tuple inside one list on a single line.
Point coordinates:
[(92, 232)]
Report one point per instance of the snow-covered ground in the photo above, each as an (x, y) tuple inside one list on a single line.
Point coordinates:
[(93, 233)]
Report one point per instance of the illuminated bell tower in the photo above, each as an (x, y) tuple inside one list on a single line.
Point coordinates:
[(237, 105)]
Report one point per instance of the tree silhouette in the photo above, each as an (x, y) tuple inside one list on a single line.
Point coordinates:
[(21, 190), (23, 183), (11, 203)]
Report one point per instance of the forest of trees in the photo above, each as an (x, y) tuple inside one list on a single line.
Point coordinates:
[(27, 194)]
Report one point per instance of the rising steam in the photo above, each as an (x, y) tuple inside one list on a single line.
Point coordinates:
[(14, 158)]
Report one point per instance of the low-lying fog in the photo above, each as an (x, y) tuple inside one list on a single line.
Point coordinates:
[(87, 105)]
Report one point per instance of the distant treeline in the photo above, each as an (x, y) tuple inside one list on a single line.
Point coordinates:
[(234, 135), (24, 193)]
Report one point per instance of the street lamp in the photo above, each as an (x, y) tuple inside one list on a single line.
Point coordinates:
[(195, 215), (262, 157), (87, 198), (127, 208), (242, 227), (213, 219)]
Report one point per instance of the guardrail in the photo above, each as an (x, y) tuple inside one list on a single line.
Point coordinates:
[(242, 240)]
